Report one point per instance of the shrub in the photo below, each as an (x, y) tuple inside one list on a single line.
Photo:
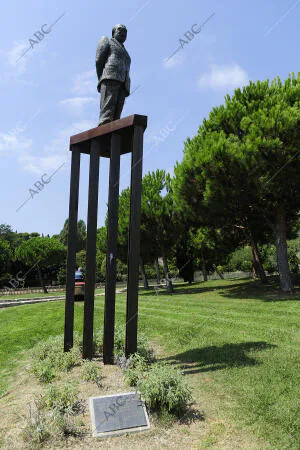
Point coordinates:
[(144, 349), (119, 348), (67, 425), (240, 259), (62, 399), (37, 429), (98, 341), (121, 274), (49, 358), (54, 344), (220, 269), (43, 370), (164, 389), (137, 369), (62, 404), (62, 275), (269, 257), (121, 271), (143, 346), (293, 260), (150, 270), (91, 372)]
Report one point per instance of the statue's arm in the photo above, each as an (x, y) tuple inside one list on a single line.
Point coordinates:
[(102, 55)]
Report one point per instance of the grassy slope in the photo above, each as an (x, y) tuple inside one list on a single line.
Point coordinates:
[(238, 345)]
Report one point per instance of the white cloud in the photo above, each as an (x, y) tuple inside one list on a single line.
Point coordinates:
[(76, 105), (41, 164), (55, 153), (14, 55), (61, 141), (14, 141), (224, 77), (15, 67), (174, 61), (85, 83)]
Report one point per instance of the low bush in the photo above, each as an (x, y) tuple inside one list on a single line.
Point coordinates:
[(119, 349), (53, 416), (137, 369), (43, 371), (144, 349), (98, 341), (49, 358), (240, 259), (62, 399), (143, 346), (38, 428), (67, 425), (91, 372), (62, 275), (269, 257), (164, 389)]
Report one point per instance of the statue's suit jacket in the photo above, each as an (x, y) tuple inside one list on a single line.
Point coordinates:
[(112, 62)]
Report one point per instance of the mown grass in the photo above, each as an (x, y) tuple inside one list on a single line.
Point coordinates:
[(237, 342)]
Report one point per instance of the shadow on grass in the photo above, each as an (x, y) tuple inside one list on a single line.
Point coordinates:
[(242, 288), (214, 358), (183, 288), (265, 292), (191, 416)]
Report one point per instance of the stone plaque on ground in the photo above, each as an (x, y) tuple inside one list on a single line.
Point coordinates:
[(112, 415)]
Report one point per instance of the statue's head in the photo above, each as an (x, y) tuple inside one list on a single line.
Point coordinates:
[(119, 32)]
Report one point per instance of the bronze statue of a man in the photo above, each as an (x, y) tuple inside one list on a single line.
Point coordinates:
[(113, 65)]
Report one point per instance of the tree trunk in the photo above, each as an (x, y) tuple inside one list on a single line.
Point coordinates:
[(169, 284), (145, 281), (257, 264), (218, 272), (157, 271), (41, 280), (203, 265), (286, 283)]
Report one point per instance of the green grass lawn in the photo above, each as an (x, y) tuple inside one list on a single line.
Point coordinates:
[(237, 342)]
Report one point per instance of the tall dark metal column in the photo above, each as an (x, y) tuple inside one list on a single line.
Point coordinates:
[(88, 324), (111, 261), (72, 239), (134, 241), (109, 140)]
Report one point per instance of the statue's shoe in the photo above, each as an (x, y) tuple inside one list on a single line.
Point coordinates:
[(104, 121)]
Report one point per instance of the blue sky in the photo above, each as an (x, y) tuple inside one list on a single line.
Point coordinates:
[(50, 93)]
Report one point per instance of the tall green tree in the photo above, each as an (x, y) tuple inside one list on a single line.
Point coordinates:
[(123, 230), (158, 219), (158, 232), (5, 258), (81, 234), (46, 254), (242, 169)]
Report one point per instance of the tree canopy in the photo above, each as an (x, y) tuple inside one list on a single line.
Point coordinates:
[(241, 170)]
